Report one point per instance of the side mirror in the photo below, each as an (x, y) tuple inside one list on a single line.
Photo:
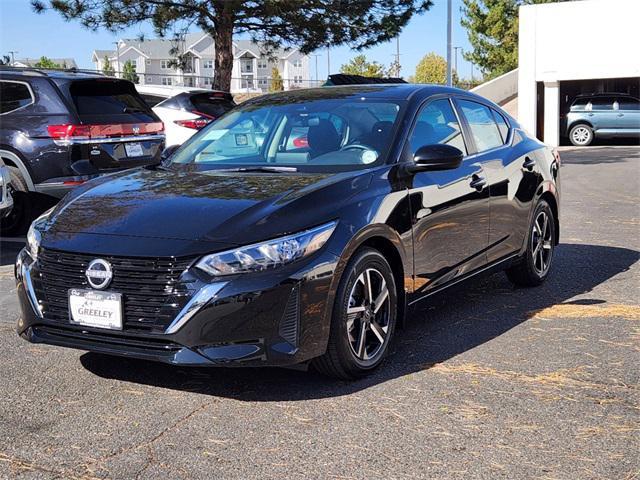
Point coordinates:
[(436, 157), (167, 152)]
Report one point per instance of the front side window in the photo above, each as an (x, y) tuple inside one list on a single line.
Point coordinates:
[(484, 129), (14, 95), (437, 124), (305, 133)]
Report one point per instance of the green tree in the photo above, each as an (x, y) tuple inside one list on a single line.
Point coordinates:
[(46, 62), (129, 72), (492, 27), (277, 85), (432, 69), (107, 69), (359, 65), (306, 24)]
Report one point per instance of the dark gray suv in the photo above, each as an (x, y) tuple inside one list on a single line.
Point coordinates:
[(59, 129), (603, 115)]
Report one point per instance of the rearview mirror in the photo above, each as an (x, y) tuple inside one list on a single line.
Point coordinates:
[(436, 157), (167, 152)]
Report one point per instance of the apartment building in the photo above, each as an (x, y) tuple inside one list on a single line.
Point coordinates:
[(251, 66)]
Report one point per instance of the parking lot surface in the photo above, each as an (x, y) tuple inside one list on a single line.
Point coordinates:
[(484, 382)]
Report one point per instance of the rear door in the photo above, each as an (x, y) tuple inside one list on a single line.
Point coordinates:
[(118, 129), (450, 207), (628, 114), (602, 116)]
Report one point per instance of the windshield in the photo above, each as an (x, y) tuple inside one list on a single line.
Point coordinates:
[(333, 132)]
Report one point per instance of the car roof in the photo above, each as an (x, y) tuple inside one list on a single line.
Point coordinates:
[(169, 91), (603, 94), (393, 91)]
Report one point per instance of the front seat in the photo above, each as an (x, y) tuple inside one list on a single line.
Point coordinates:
[(323, 138)]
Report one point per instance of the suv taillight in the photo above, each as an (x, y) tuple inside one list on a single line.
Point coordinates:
[(196, 123), (66, 132)]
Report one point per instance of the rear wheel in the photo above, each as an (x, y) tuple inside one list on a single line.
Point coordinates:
[(534, 268), (364, 318), (19, 218), (581, 135)]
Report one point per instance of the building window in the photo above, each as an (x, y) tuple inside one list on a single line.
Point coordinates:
[(262, 81), (208, 81), (262, 63), (148, 62), (297, 79), (167, 81), (297, 63), (246, 66), (164, 64), (207, 64)]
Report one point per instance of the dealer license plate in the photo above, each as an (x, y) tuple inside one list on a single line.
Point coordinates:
[(133, 149), (92, 308)]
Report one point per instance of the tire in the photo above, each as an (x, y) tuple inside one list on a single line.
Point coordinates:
[(534, 268), (581, 135), (359, 340), (19, 219)]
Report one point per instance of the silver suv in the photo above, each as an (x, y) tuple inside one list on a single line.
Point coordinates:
[(603, 115)]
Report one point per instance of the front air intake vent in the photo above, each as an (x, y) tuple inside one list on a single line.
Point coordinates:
[(291, 318)]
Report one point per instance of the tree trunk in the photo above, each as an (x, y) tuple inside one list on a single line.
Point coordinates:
[(223, 38)]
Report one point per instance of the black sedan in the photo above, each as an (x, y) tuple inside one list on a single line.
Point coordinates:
[(301, 227)]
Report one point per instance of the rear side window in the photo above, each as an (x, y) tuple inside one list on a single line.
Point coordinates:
[(152, 100), (437, 124), (502, 125), (99, 101), (628, 103), (483, 127), (210, 105), (14, 95)]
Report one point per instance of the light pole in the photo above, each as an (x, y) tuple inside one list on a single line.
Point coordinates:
[(398, 56), (117, 58), (316, 55), (328, 63), (455, 67), (13, 58), (449, 43)]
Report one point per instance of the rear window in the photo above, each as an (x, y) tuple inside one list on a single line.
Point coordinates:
[(14, 95), (211, 105), (104, 101)]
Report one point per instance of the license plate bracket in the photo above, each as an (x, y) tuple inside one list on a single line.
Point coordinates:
[(134, 149), (92, 308)]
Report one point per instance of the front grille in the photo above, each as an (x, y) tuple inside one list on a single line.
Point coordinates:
[(152, 291)]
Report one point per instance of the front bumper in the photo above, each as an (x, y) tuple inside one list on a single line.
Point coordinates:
[(273, 318)]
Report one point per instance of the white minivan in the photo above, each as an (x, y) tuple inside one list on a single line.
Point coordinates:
[(185, 110)]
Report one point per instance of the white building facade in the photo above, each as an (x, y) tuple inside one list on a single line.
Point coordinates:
[(252, 67), (570, 48)]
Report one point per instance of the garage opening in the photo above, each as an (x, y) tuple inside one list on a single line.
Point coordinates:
[(570, 89)]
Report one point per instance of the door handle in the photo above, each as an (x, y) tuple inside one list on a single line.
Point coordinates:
[(621, 114), (529, 163), (590, 114), (477, 182)]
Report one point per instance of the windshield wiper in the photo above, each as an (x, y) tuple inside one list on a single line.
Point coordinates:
[(259, 169)]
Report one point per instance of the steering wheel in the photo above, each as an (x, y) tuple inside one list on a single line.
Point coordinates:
[(354, 146)]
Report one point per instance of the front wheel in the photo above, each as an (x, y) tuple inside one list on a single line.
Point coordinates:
[(581, 135), (364, 318), (534, 267)]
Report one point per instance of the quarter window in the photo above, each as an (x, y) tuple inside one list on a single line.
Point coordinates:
[(14, 96), (484, 130), (437, 124)]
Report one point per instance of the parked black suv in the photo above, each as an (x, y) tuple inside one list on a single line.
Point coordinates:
[(60, 128)]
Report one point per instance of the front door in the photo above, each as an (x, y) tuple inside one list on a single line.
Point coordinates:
[(450, 208)]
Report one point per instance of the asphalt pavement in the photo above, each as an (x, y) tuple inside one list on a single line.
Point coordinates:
[(488, 381)]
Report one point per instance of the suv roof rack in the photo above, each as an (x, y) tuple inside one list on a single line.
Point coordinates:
[(46, 71), (344, 79)]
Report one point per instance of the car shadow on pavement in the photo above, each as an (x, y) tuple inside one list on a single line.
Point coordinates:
[(449, 324), (599, 155)]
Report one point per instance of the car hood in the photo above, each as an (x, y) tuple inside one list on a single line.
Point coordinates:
[(217, 207)]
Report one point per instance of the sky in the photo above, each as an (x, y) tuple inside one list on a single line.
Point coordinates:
[(47, 34)]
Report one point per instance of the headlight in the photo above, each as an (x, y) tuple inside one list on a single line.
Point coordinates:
[(266, 255), (34, 235)]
